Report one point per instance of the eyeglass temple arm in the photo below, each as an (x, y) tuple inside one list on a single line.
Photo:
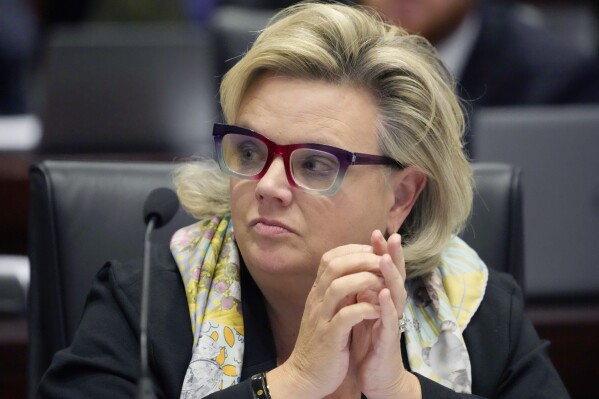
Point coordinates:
[(367, 159)]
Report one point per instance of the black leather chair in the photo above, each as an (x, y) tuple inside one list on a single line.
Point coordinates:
[(84, 213), (81, 215), (495, 229)]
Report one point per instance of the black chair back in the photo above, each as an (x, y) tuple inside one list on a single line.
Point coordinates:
[(81, 215), (129, 87), (495, 228)]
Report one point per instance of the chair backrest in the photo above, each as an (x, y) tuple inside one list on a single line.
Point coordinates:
[(495, 229), (81, 215), (555, 147), (129, 87), (84, 213)]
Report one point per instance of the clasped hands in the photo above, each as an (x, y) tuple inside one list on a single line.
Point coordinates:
[(349, 328)]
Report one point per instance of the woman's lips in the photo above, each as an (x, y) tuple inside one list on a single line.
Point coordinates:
[(270, 227)]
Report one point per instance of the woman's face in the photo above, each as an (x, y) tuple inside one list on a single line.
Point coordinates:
[(282, 230)]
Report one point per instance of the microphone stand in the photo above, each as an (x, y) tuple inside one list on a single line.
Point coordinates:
[(145, 387), (159, 208)]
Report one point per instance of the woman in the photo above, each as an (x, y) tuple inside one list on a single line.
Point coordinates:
[(342, 131)]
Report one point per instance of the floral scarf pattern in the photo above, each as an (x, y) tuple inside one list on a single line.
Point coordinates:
[(439, 307), (208, 261)]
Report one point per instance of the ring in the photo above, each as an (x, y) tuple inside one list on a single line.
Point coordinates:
[(402, 323)]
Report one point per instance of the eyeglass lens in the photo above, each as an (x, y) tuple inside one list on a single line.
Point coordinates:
[(310, 168)]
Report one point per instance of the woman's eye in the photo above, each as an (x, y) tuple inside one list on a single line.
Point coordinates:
[(318, 165), (248, 152)]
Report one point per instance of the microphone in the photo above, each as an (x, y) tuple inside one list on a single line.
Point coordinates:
[(159, 208), (161, 204)]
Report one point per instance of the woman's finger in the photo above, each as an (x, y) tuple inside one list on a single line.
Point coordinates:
[(346, 264), (394, 281), (370, 296), (347, 286), (346, 318), (337, 252), (389, 314), (378, 242), (396, 251)]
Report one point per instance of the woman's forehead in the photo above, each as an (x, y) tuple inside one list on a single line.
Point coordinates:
[(290, 110)]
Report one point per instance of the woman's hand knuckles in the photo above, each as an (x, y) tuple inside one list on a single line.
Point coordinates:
[(336, 288)]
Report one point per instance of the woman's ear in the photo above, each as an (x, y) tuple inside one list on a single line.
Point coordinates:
[(407, 186)]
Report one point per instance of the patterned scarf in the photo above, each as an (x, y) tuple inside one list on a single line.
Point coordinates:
[(208, 261), (439, 308)]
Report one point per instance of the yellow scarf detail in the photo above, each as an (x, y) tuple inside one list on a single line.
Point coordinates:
[(208, 261), (440, 306)]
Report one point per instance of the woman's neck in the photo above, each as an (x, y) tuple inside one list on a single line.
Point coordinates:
[(285, 316), (284, 300)]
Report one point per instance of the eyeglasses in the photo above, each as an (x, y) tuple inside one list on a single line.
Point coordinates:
[(315, 168)]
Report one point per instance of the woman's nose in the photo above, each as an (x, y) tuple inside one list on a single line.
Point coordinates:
[(274, 184)]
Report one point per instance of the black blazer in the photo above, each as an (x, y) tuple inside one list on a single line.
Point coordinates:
[(508, 359), (512, 63)]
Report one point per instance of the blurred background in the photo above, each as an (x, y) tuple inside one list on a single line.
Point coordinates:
[(138, 80)]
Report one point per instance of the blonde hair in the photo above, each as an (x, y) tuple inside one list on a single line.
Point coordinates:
[(421, 122)]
